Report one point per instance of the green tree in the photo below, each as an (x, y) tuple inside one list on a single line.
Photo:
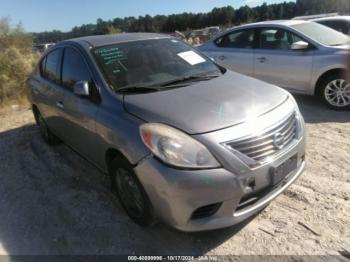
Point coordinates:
[(223, 16)]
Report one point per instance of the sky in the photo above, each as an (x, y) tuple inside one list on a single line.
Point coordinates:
[(42, 15)]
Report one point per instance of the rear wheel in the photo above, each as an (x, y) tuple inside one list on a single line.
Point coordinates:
[(335, 92), (45, 132), (130, 193)]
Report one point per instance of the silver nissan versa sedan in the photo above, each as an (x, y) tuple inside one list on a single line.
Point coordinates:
[(300, 56), (183, 140)]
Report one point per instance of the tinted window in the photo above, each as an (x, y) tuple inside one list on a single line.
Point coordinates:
[(51, 71), (74, 68), (277, 39), (295, 38), (240, 39), (274, 39), (341, 26)]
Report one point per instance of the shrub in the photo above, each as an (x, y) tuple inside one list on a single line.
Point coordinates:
[(17, 60)]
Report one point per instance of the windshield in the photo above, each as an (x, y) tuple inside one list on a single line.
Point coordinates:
[(151, 62), (322, 34)]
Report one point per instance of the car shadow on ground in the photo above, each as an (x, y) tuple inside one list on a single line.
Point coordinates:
[(316, 112), (52, 201)]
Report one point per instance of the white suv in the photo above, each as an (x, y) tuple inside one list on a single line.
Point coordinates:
[(339, 23)]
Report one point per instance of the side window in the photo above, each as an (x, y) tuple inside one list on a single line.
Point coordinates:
[(294, 38), (74, 68), (51, 69), (275, 39), (240, 39)]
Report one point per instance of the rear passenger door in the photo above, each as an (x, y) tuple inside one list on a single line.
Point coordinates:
[(50, 92), (234, 51), (79, 112)]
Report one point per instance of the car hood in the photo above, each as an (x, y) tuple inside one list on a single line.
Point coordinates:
[(207, 105)]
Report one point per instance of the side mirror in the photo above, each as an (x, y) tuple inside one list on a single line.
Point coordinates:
[(300, 45), (81, 88)]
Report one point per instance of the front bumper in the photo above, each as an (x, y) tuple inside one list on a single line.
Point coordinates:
[(176, 194)]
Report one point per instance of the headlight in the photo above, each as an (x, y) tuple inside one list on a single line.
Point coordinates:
[(175, 147), (299, 117)]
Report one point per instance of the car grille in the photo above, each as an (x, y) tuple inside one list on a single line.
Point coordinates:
[(268, 143)]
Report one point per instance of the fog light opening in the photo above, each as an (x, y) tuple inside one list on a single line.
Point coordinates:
[(206, 211)]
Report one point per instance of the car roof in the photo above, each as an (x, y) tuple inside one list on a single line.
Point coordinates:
[(276, 22), (101, 40), (330, 18), (263, 24)]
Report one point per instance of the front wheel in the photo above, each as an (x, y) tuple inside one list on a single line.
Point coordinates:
[(130, 193), (335, 92)]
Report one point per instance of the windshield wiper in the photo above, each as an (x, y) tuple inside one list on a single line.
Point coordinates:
[(137, 89), (172, 83), (182, 80)]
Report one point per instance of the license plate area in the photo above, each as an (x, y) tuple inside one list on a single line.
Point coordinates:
[(283, 170)]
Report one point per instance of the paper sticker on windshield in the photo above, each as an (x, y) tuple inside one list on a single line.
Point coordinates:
[(191, 57)]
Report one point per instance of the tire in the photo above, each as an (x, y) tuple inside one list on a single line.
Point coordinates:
[(334, 92), (131, 195), (45, 132)]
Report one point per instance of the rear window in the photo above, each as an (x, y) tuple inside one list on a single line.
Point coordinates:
[(339, 25), (322, 34)]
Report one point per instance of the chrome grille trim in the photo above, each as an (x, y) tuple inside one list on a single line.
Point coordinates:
[(259, 147)]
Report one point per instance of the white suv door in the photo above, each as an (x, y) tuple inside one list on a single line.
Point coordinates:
[(275, 62)]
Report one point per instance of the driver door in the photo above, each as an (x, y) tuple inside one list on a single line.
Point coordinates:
[(79, 112), (276, 63)]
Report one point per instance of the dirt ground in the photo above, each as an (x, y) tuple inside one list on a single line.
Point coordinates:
[(54, 202)]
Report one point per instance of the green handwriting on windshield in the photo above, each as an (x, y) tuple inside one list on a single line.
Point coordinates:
[(110, 56)]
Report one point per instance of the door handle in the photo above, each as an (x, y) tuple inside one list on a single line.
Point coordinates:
[(59, 104), (222, 57), (262, 59)]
